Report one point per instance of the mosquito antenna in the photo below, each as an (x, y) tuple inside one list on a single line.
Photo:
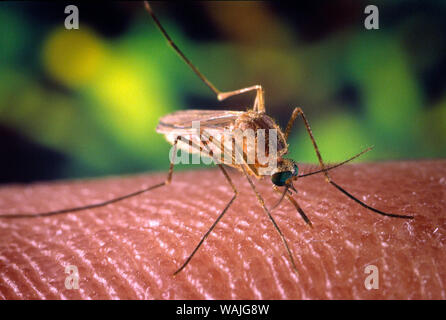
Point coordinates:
[(91, 206), (336, 165), (180, 53)]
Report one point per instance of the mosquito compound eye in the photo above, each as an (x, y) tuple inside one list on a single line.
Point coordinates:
[(296, 170), (280, 178)]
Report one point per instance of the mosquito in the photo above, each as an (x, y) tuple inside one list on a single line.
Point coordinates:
[(177, 129)]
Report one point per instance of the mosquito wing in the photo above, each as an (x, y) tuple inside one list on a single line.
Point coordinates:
[(181, 121), (189, 124)]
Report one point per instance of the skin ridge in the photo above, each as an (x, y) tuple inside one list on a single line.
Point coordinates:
[(129, 250)]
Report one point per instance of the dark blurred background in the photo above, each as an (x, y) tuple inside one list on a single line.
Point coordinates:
[(84, 103)]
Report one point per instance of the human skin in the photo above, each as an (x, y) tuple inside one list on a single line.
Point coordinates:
[(130, 249)]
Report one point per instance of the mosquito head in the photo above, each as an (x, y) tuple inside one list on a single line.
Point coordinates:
[(286, 170)]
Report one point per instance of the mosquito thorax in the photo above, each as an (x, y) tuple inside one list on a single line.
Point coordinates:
[(286, 168), (252, 120)]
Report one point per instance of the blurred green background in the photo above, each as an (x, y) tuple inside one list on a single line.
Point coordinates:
[(84, 103)]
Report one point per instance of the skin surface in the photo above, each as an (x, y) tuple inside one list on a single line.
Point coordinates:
[(130, 249)]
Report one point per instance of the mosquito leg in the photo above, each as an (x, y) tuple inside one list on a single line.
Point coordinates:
[(177, 50), (295, 204), (259, 104), (262, 204), (216, 221), (205, 145), (290, 123), (100, 204), (298, 112)]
